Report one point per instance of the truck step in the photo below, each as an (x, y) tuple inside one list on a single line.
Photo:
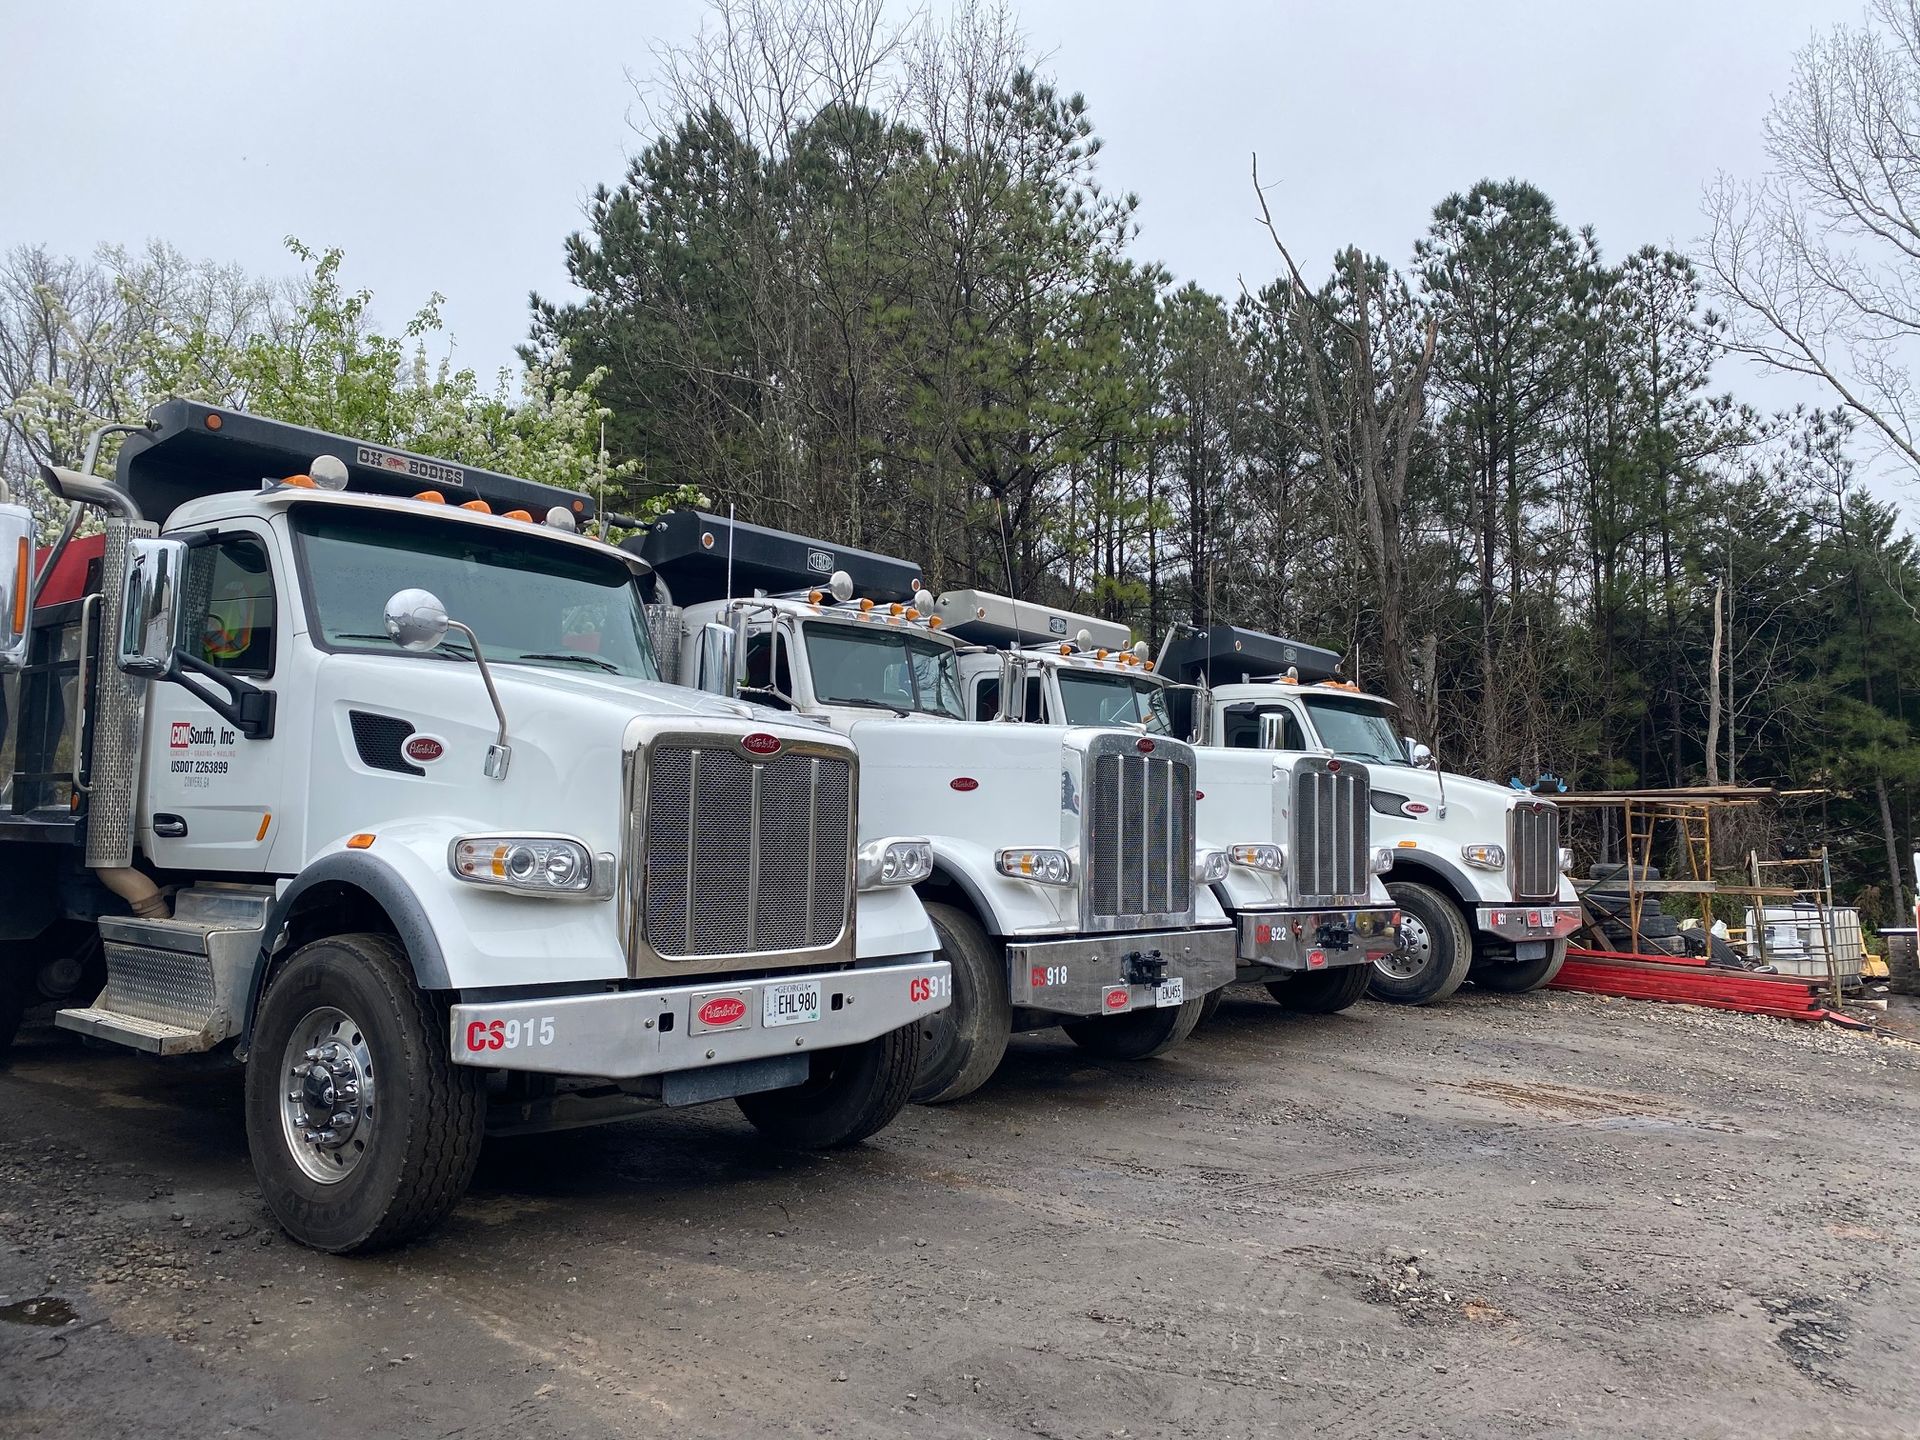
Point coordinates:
[(153, 1036), (181, 984)]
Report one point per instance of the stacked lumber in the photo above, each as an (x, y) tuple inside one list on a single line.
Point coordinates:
[(1688, 980)]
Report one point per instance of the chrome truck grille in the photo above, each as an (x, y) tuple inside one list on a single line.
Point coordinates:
[(1329, 846), (736, 854), (1533, 851), (1137, 837)]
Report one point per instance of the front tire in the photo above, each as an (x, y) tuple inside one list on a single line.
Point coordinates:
[(1323, 992), (962, 1045), (1435, 951), (364, 1133), (853, 1092), (1519, 976), (1137, 1035)]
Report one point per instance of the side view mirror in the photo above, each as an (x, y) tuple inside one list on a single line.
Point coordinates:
[(152, 620), (1273, 730), (714, 670), (16, 586), (1013, 685), (1420, 755), (416, 619)]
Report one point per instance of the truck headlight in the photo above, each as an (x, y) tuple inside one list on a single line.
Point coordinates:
[(1048, 867), (1566, 860), (1485, 857), (1380, 859), (1209, 867), (893, 862), (555, 865), (1258, 857)]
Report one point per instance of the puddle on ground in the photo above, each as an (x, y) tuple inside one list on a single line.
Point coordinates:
[(40, 1310)]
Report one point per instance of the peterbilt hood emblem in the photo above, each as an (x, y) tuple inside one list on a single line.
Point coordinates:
[(761, 743)]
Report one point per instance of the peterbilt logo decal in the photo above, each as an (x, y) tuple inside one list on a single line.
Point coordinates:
[(820, 561), (424, 749), (722, 1010), (412, 466), (761, 744)]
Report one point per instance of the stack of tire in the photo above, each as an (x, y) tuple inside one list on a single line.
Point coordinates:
[(1608, 903)]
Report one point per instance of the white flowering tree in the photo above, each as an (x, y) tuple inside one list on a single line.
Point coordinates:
[(84, 344)]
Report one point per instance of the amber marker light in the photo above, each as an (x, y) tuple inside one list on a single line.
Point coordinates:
[(362, 841), (23, 585)]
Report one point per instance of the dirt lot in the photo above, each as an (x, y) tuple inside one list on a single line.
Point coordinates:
[(1552, 1214)]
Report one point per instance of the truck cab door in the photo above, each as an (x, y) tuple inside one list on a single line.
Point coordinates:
[(210, 791)]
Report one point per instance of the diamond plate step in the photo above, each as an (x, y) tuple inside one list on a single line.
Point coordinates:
[(152, 1036)]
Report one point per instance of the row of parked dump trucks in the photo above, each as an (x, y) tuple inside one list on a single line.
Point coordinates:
[(445, 818)]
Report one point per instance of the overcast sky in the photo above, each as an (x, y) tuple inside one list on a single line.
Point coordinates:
[(450, 146)]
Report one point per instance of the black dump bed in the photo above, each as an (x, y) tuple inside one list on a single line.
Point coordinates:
[(689, 549), (1228, 654), (189, 450)]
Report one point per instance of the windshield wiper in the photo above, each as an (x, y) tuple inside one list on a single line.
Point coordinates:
[(865, 704), (446, 648), (574, 655)]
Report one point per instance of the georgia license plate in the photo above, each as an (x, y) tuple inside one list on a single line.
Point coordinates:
[(796, 1002), (1170, 992)]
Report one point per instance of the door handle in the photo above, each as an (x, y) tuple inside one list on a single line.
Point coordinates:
[(169, 827)]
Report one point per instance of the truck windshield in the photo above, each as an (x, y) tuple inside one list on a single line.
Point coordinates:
[(1105, 699), (890, 668), (1358, 729), (529, 601)]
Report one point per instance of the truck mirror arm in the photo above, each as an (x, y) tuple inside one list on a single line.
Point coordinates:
[(249, 710)]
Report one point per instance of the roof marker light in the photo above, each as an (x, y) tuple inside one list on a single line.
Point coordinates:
[(520, 515), (431, 497), (329, 472), (933, 622), (297, 482), (479, 507), (865, 606)]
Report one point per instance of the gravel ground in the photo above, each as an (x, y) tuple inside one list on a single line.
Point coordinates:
[(1499, 1217)]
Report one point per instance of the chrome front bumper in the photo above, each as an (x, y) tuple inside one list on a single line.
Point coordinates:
[(1528, 922), (1112, 974), (620, 1034), (1294, 941)]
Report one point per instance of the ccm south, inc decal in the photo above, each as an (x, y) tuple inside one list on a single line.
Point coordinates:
[(198, 755)]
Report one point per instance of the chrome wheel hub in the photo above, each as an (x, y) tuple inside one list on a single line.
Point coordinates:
[(1411, 955), (327, 1113)]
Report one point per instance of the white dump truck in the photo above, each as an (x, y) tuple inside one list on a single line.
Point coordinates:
[(1478, 870), (357, 764), (1066, 884), (1301, 885)]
